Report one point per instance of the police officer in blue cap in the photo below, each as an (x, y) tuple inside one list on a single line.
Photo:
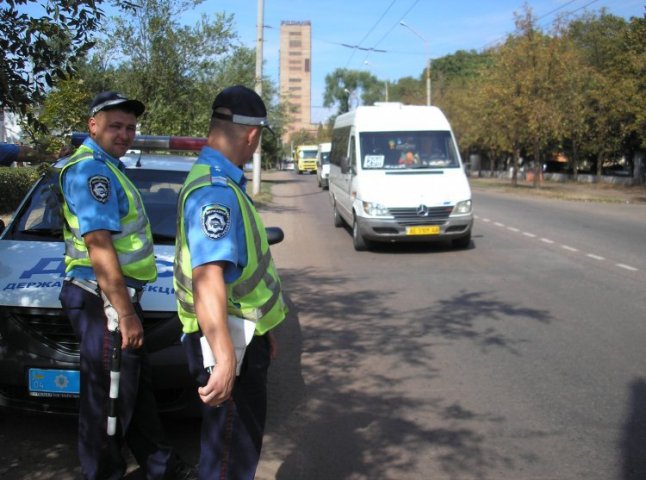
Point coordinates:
[(108, 260), (226, 281)]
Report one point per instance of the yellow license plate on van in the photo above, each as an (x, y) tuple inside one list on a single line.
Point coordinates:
[(423, 230)]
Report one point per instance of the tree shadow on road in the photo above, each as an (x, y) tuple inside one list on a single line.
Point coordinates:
[(342, 420)]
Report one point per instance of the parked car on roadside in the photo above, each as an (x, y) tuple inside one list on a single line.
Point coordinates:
[(287, 163)]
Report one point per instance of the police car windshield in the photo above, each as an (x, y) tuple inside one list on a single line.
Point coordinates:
[(40, 216)]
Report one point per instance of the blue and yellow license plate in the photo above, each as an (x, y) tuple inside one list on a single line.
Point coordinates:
[(54, 383), (423, 230)]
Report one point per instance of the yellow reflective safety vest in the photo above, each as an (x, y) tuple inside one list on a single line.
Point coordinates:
[(256, 295), (133, 245)]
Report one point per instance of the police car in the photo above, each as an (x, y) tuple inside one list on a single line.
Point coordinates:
[(39, 356)]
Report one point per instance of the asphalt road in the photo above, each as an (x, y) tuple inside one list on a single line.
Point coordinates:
[(519, 358)]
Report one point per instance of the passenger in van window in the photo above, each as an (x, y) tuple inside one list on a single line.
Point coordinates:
[(408, 158)]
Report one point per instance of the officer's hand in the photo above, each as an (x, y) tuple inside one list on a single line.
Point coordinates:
[(132, 333), (220, 385)]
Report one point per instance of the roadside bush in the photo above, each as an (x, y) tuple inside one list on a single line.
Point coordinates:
[(14, 184)]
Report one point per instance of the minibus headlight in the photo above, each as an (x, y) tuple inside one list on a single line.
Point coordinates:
[(374, 209), (462, 208)]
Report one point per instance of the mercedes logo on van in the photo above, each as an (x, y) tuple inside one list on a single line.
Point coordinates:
[(422, 211)]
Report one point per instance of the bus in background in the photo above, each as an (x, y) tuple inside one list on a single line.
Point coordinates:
[(305, 158)]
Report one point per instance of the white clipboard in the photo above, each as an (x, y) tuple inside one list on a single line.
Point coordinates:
[(241, 331)]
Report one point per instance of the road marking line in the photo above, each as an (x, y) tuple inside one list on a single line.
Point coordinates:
[(627, 267), (564, 247)]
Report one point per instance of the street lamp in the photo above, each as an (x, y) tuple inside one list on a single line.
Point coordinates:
[(351, 94), (428, 68), (366, 62)]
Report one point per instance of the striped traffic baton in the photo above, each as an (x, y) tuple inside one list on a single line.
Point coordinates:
[(115, 373)]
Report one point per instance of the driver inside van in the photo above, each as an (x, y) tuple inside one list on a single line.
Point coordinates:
[(408, 158), (391, 153)]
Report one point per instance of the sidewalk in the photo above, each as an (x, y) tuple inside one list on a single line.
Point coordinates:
[(571, 191)]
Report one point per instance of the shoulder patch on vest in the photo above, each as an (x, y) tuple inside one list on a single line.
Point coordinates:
[(99, 188), (221, 181), (216, 221)]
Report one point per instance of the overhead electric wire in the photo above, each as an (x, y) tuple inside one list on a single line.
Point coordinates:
[(374, 49), (370, 31), (497, 40), (555, 10), (396, 24)]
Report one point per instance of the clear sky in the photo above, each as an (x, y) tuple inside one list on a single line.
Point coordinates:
[(437, 28)]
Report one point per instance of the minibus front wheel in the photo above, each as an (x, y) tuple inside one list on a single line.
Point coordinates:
[(360, 244)]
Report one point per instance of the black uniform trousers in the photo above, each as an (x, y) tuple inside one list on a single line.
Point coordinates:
[(231, 437), (138, 424)]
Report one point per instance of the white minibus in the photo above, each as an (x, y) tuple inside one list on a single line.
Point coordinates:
[(323, 164), (396, 175)]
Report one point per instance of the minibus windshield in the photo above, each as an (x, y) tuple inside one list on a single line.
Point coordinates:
[(407, 150)]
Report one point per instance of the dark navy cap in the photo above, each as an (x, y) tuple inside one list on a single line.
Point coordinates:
[(110, 100), (245, 105)]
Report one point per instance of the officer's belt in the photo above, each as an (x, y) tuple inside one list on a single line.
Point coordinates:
[(93, 287)]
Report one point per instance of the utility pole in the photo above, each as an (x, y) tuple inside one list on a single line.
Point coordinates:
[(428, 53), (260, 24)]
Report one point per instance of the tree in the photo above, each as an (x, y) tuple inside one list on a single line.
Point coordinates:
[(633, 59), (344, 86), (599, 38), (303, 137), (64, 112), (37, 51), (611, 90), (525, 94), (456, 68), (409, 91), (176, 69)]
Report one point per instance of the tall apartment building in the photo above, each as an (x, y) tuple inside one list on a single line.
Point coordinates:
[(296, 74)]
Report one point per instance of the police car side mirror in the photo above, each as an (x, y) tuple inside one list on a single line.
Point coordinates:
[(2, 226), (274, 235)]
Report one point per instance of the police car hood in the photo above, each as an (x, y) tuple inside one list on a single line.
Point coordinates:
[(32, 273)]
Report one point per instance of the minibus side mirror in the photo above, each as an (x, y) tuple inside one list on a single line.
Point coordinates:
[(344, 164)]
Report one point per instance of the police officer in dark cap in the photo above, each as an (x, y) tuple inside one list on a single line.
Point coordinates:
[(228, 291), (109, 259)]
